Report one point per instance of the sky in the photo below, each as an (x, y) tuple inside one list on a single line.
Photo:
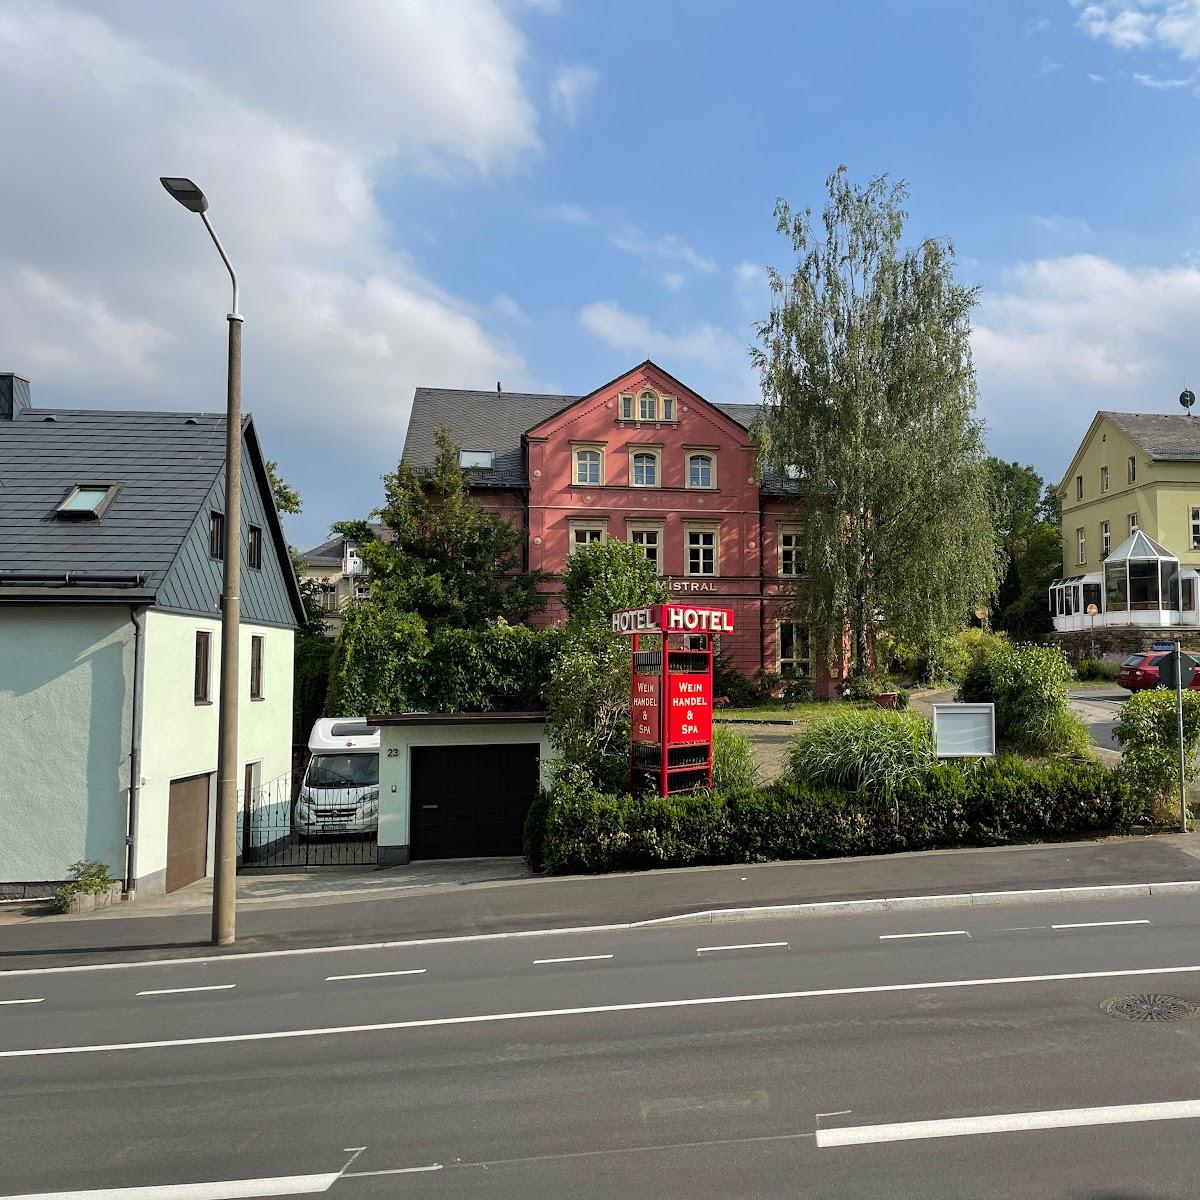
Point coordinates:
[(543, 193)]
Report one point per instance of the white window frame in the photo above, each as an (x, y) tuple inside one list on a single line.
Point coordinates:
[(586, 525), (636, 529), (644, 395), (1078, 487), (711, 486), (1195, 516), (587, 448), (1104, 478), (786, 531), (1131, 468), (667, 408), (625, 400), (1133, 524), (795, 660), (700, 530), (477, 460), (1105, 538), (653, 452), (1081, 545)]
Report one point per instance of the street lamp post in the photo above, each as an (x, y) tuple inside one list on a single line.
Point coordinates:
[(225, 866)]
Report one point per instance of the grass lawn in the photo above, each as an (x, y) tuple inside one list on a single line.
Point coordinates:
[(800, 713)]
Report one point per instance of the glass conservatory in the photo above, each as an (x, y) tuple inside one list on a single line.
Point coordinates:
[(1139, 583)]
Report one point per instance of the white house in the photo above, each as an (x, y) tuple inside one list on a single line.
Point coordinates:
[(110, 640)]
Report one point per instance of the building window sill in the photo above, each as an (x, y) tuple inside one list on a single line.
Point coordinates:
[(203, 703)]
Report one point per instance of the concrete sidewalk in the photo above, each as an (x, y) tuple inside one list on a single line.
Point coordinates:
[(356, 909)]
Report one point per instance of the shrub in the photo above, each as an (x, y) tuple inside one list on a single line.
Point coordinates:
[(604, 576), (948, 662), (1097, 670), (863, 685), (88, 877), (1148, 733), (1004, 800), (742, 691), (735, 770), (862, 749)]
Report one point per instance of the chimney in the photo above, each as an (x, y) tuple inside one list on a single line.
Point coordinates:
[(14, 395)]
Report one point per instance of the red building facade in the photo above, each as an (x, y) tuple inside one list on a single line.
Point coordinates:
[(642, 459)]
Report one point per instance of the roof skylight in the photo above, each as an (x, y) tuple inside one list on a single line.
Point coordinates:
[(88, 500)]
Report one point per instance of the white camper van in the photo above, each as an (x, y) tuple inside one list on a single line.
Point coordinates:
[(339, 795)]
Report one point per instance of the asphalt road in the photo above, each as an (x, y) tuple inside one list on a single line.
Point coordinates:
[(958, 1054)]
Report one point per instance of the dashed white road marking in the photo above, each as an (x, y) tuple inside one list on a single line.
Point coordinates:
[(744, 946), (1097, 924), (208, 987), (541, 962), (892, 937), (226, 1189), (375, 974), (1062, 1118), (394, 1171), (30, 1000), (595, 1010)]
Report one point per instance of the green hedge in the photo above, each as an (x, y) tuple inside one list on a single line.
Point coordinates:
[(580, 830)]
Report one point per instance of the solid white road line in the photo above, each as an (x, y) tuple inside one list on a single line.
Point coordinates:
[(746, 946), (228, 1189), (31, 1000), (1062, 1118), (541, 962), (1097, 924), (891, 937), (208, 987), (591, 1010), (393, 1171), (375, 974)]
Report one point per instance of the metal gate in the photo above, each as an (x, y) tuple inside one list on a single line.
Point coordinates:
[(338, 827)]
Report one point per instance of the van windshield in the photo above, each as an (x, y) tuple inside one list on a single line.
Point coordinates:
[(343, 770)]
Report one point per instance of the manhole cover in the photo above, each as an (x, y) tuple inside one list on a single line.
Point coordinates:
[(1151, 1007)]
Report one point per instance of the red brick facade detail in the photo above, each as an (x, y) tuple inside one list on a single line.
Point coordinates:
[(609, 495)]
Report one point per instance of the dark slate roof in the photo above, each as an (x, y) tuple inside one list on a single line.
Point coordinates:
[(329, 553), (496, 421), (167, 465), (1163, 436)]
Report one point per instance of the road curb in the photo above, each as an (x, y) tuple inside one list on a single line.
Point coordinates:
[(845, 908)]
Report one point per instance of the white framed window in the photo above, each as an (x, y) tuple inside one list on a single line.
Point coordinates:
[(1131, 469), (1078, 487), (791, 562), (702, 551), (649, 539), (794, 650), (483, 460), (1196, 528), (1082, 543), (588, 465), (701, 470), (584, 533), (647, 406), (668, 408), (1133, 524), (643, 468), (1105, 538), (626, 408), (1104, 478)]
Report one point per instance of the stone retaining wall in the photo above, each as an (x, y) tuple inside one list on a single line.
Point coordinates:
[(1118, 641)]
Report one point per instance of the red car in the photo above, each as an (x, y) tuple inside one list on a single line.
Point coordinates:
[(1139, 672)]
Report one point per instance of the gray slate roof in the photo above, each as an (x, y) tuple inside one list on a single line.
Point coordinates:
[(496, 421), (330, 553), (168, 464), (1164, 436)]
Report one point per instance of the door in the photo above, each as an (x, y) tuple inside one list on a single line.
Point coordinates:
[(187, 831), (471, 801)]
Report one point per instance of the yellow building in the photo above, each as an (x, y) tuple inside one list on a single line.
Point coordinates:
[(1133, 474)]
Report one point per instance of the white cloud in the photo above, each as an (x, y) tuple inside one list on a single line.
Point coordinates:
[(752, 290), (1062, 226), (1096, 78), (704, 345), (1036, 25), (1048, 65), (666, 248), (1137, 24), (508, 308), (571, 90), (1166, 85), (674, 280), (113, 294), (1066, 336), (570, 214)]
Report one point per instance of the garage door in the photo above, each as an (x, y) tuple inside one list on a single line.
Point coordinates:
[(471, 801), (187, 831)]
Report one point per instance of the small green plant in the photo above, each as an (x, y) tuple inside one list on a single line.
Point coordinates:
[(871, 750), (1097, 670), (735, 771), (1148, 733), (88, 877)]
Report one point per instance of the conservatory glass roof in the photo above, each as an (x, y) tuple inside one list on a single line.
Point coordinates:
[(1139, 546)]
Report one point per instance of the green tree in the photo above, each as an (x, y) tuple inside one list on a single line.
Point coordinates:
[(449, 560), (287, 499), (605, 576), (1016, 496), (869, 391)]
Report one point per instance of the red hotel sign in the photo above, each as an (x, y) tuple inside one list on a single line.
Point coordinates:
[(643, 708), (673, 618), (689, 718)]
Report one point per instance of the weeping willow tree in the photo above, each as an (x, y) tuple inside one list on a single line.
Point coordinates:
[(869, 404)]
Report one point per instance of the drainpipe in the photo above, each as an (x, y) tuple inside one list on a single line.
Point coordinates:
[(137, 616)]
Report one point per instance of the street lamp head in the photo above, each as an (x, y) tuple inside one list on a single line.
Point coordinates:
[(186, 192)]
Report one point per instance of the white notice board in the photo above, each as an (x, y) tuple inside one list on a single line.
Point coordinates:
[(964, 730)]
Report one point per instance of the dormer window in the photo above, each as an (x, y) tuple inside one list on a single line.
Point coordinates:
[(483, 460), (88, 501), (647, 407)]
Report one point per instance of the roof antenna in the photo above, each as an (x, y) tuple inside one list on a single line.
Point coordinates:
[(1187, 398), (497, 387)]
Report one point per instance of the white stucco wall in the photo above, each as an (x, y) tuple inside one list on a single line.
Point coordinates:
[(396, 743), (180, 736), (66, 701)]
